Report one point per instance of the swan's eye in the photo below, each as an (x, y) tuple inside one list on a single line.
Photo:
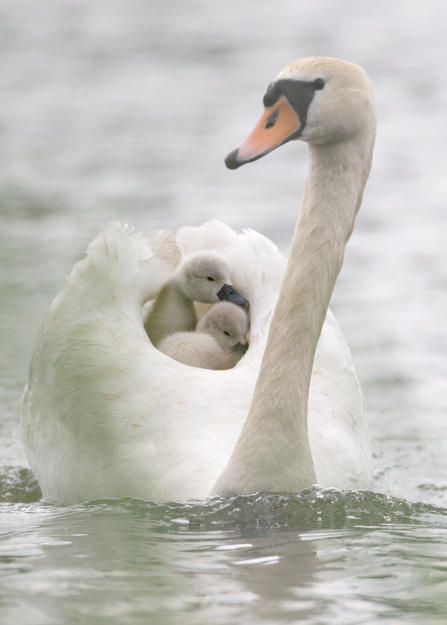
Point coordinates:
[(226, 333), (211, 279), (318, 84)]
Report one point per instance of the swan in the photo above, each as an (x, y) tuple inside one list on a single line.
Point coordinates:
[(106, 414), (221, 329), (202, 277)]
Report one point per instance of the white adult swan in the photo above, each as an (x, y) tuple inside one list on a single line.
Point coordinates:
[(105, 414)]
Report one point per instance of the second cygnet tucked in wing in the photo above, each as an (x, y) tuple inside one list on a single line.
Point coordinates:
[(217, 343), (202, 277)]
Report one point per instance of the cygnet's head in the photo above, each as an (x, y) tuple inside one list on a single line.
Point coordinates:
[(226, 323), (205, 277)]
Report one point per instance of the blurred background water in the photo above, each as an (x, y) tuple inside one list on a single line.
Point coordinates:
[(124, 110)]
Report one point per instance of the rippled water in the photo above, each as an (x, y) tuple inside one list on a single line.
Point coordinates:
[(320, 556), (124, 111)]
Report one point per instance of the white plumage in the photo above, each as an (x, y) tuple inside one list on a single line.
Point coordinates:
[(105, 414)]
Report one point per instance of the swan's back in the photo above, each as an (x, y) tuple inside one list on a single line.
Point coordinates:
[(105, 414)]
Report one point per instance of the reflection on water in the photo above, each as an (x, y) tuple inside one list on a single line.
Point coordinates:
[(250, 559), (124, 111)]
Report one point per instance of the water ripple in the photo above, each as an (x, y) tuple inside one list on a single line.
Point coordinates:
[(312, 508), (18, 485)]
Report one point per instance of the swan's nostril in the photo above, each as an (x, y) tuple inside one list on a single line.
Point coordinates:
[(271, 121), (229, 294)]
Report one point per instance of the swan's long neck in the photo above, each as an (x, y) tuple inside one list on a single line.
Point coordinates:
[(273, 452)]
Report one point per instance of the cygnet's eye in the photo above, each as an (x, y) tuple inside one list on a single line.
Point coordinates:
[(211, 279), (226, 333)]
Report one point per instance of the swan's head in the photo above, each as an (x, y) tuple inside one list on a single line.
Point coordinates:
[(226, 323), (205, 277), (319, 100)]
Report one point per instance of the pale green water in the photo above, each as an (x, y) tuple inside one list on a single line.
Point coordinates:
[(124, 111), (317, 557)]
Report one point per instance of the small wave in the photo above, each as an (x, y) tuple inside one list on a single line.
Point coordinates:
[(311, 509), (18, 485)]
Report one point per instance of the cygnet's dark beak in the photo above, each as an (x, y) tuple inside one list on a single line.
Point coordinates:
[(240, 349), (229, 294)]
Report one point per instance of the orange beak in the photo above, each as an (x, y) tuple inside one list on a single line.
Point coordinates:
[(276, 125)]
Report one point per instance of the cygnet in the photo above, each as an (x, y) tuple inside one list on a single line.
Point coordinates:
[(219, 341), (202, 277)]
